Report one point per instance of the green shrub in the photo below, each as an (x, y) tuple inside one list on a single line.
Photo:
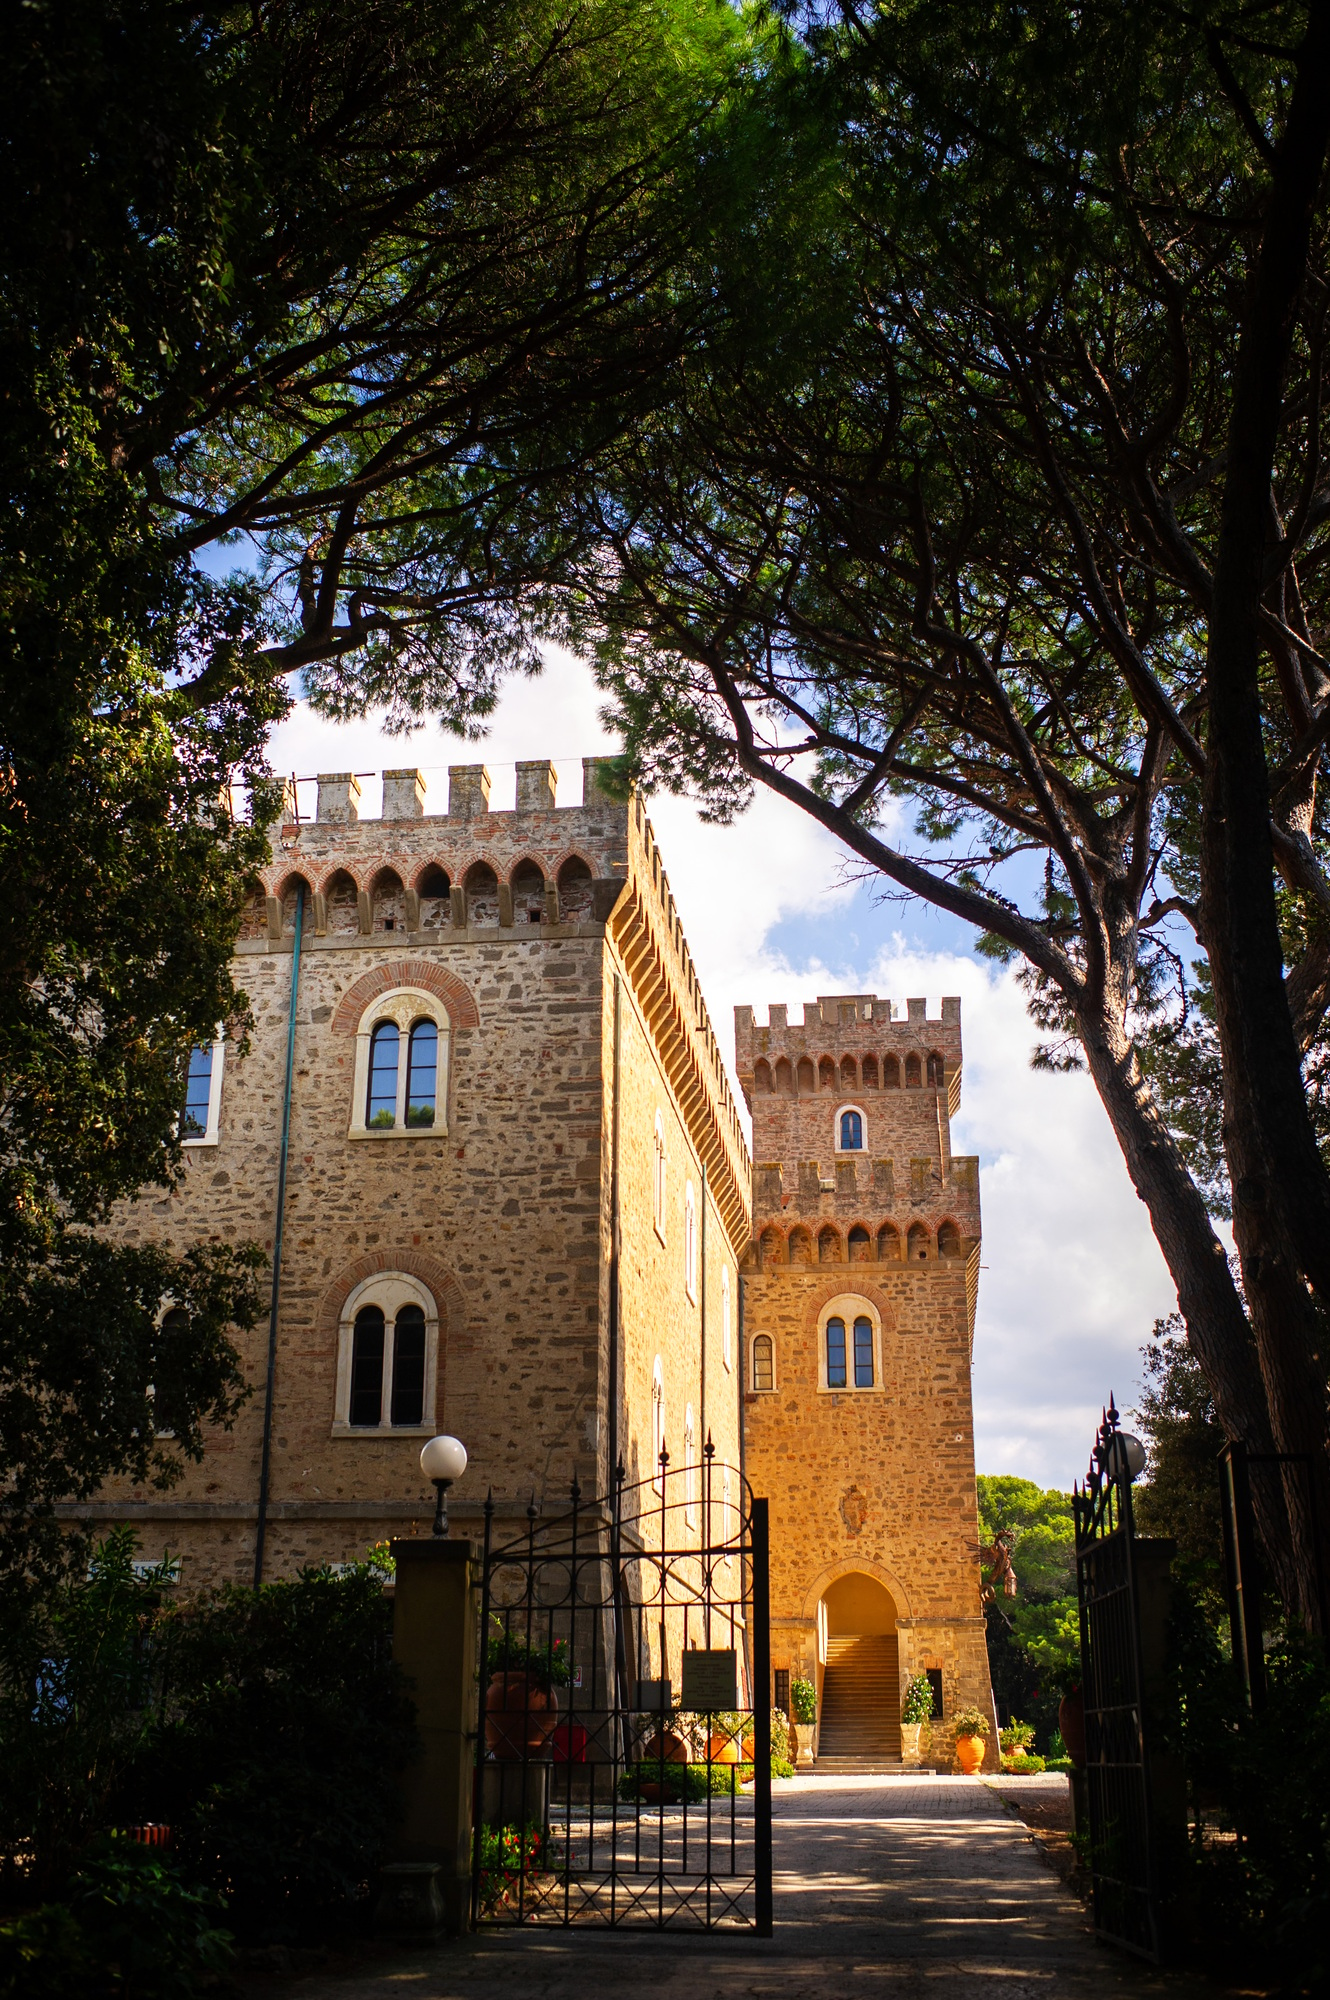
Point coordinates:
[(1016, 1736), (803, 1700), (781, 1767), (507, 1652), (76, 1707), (128, 1925), (507, 1853), (970, 1722), (283, 1719), (1023, 1764), (918, 1703)]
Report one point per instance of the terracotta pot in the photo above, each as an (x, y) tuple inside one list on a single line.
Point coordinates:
[(520, 1717), (666, 1749), (1071, 1722), (722, 1749), (969, 1753)]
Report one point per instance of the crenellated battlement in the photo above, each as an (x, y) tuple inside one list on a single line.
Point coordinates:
[(850, 1042)]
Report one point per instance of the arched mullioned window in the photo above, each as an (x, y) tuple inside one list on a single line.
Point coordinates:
[(401, 1082), (387, 1364), (764, 1365), (849, 1336), (850, 1130)]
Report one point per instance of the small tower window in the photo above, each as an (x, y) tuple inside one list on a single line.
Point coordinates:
[(764, 1374), (726, 1337), (198, 1093), (851, 1132), (658, 1179), (836, 1378), (863, 1354), (690, 1241), (367, 1368), (422, 1073), (657, 1426), (381, 1103)]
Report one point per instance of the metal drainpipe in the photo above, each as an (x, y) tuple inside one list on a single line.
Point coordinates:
[(613, 1387), (266, 1467)]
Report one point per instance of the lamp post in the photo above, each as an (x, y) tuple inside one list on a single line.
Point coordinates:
[(443, 1460)]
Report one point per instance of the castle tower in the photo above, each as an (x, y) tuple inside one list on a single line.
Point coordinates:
[(859, 1300), (518, 1185)]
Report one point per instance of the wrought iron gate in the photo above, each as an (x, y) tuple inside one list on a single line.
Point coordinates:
[(623, 1758), (1117, 1775)]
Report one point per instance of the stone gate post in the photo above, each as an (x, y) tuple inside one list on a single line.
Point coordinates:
[(426, 1885)]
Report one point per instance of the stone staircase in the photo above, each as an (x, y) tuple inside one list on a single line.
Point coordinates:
[(861, 1706)]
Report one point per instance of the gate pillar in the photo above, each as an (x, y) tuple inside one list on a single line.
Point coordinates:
[(434, 1642)]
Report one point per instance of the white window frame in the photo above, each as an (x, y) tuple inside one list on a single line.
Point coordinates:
[(404, 1006), (726, 1319), (848, 1306), (851, 1152), (658, 1178), (209, 1137), (657, 1422), (390, 1291), (753, 1338), (690, 1241)]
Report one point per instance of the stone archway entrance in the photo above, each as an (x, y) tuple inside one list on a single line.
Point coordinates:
[(861, 1708)]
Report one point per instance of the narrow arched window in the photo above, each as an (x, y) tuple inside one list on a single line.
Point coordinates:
[(690, 1469), (836, 1378), (198, 1095), (381, 1103), (422, 1073), (863, 1354), (658, 1179), (657, 1425), (690, 1241), (408, 1404), (851, 1132), (725, 1316), (763, 1368), (367, 1367)]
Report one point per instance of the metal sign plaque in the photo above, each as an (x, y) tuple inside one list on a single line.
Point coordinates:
[(710, 1681)]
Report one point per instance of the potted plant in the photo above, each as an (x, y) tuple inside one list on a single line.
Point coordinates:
[(969, 1727), (916, 1717), (803, 1703), (521, 1709)]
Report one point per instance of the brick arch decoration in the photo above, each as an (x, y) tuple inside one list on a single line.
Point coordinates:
[(836, 1288), (857, 1566), (445, 986), (448, 1297)]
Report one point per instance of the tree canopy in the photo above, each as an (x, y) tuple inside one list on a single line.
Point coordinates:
[(964, 536)]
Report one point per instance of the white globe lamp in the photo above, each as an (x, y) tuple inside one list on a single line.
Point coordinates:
[(443, 1460)]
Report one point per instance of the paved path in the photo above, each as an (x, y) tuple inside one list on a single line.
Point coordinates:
[(914, 1889)]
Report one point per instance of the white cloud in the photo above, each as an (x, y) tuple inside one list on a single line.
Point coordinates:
[(1072, 1277)]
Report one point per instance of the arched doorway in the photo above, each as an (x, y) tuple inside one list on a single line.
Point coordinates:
[(861, 1703)]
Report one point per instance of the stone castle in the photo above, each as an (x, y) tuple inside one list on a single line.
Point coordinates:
[(519, 1207)]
